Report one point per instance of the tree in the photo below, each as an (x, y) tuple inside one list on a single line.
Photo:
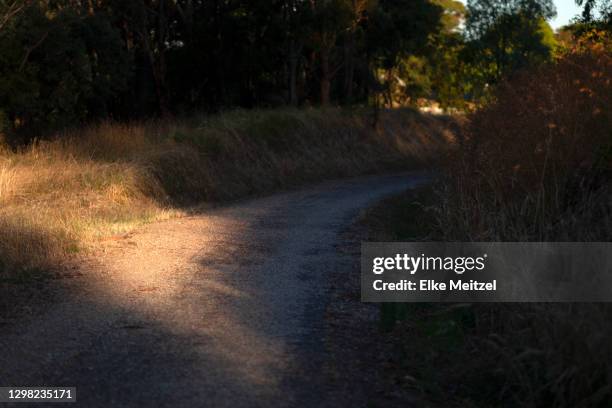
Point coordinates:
[(452, 79), (330, 18), (596, 14), (507, 35), (60, 65), (604, 7), (397, 30)]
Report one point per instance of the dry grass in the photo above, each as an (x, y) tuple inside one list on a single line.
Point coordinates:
[(535, 166), (62, 196)]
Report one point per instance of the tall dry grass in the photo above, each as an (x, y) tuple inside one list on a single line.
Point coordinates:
[(535, 166), (61, 196)]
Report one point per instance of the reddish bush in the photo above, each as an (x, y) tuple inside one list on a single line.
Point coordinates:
[(534, 166), (537, 151)]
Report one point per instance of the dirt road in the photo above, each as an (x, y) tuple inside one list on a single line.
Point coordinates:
[(223, 309)]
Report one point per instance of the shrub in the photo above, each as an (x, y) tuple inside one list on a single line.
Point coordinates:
[(535, 166)]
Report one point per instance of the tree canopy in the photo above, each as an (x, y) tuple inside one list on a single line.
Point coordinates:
[(66, 62)]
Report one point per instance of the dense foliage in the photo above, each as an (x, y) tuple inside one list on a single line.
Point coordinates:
[(68, 62), (63, 62)]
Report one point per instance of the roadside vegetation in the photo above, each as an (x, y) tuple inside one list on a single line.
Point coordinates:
[(533, 165), (92, 145), (59, 196)]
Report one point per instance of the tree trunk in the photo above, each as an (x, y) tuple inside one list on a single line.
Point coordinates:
[(159, 77), (349, 69), (389, 88), (293, 65), (325, 78)]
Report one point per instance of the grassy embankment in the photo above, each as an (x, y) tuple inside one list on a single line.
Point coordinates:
[(533, 166), (59, 197)]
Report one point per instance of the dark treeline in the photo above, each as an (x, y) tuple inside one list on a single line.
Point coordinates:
[(65, 62)]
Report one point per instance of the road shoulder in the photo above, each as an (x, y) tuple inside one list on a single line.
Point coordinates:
[(363, 360)]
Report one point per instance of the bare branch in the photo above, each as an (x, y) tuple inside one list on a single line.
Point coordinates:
[(9, 10)]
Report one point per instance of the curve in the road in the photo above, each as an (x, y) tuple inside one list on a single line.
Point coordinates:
[(220, 309)]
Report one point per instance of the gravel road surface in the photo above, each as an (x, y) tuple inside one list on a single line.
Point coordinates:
[(221, 309)]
